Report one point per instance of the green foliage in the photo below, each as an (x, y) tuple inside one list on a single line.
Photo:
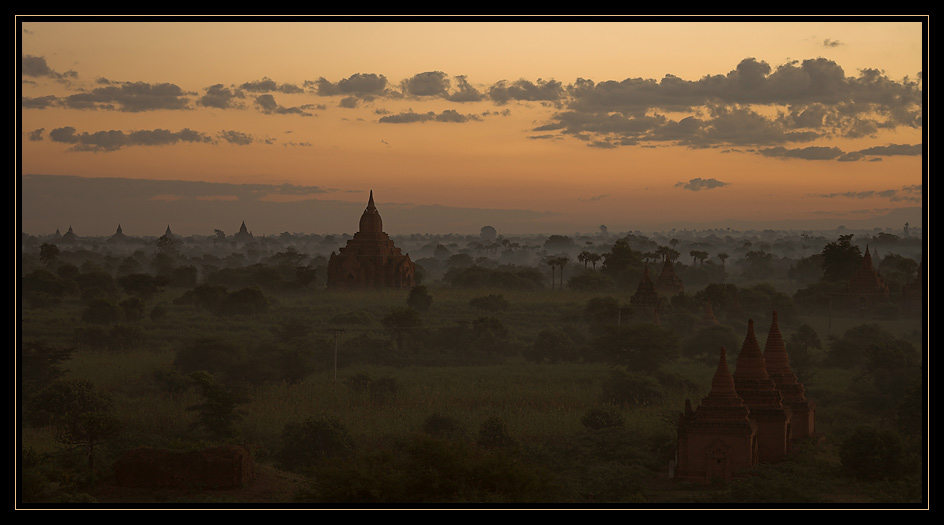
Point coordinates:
[(419, 299), (304, 445), (507, 277), (707, 342), (553, 345), (40, 365), (81, 414), (141, 285), (48, 253), (443, 426), (356, 317), (591, 281), (606, 416), (841, 259), (494, 434), (490, 303), (872, 453), (247, 301), (848, 350), (133, 308), (102, 311), (631, 389), (639, 346), (219, 412)]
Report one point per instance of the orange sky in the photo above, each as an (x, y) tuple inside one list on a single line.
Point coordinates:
[(630, 124)]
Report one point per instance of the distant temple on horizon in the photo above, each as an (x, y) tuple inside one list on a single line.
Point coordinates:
[(370, 260)]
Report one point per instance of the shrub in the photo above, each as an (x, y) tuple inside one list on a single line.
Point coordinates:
[(872, 453), (493, 434), (442, 426), (419, 299), (306, 444), (490, 303), (606, 416), (631, 389)]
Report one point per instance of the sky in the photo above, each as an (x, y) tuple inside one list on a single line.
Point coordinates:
[(538, 125)]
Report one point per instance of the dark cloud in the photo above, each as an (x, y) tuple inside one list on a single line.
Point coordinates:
[(39, 102), (808, 153), (525, 90), (220, 97), (235, 137), (465, 92), (267, 104), (131, 97), (698, 184), (905, 194), (361, 85), (267, 85), (36, 135), (113, 139), (33, 66), (428, 84), (832, 43), (894, 149), (410, 117)]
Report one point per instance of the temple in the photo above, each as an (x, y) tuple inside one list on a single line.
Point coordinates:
[(646, 300), (669, 283), (866, 288), (749, 417), (370, 260)]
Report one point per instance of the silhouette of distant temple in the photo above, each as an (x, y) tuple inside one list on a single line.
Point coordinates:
[(866, 288), (370, 260), (243, 235), (669, 283)]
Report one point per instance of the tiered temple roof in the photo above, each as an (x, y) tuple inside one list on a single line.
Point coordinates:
[(669, 282), (370, 259), (778, 368), (866, 288), (765, 401)]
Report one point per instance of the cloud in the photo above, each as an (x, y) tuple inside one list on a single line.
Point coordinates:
[(36, 135), (905, 194), (832, 43), (894, 149), (267, 104), (698, 184), (39, 102), (131, 97), (410, 117), (220, 97), (235, 137), (113, 140), (525, 90), (428, 84), (808, 153), (33, 66), (267, 85), (361, 85)]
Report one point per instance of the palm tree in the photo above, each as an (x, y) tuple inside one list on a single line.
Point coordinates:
[(722, 256), (552, 262), (562, 261), (594, 258), (584, 257)]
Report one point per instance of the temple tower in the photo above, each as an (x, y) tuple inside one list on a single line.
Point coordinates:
[(669, 283), (718, 439), (370, 259), (778, 368), (866, 288), (764, 400)]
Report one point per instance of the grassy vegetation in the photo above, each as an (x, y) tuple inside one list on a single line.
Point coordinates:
[(468, 381)]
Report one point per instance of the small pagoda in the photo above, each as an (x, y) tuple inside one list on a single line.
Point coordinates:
[(669, 283), (646, 300)]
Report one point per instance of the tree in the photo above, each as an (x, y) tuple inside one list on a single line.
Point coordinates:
[(552, 262), (141, 285), (561, 262), (219, 412), (307, 443), (401, 322), (841, 259), (553, 345), (494, 434), (419, 299), (48, 253), (723, 256), (82, 415), (871, 453), (488, 233), (640, 346)]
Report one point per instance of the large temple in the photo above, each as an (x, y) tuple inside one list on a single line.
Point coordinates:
[(749, 417), (370, 260)]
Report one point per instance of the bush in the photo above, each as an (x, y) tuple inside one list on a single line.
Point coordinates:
[(493, 434), (490, 303), (872, 453), (306, 444), (442, 426), (419, 299), (631, 389), (606, 416)]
